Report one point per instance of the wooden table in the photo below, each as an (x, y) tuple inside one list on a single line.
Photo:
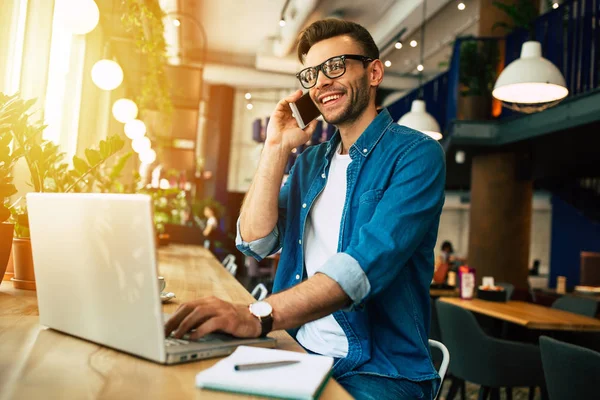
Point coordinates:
[(443, 292), (39, 363), (531, 316)]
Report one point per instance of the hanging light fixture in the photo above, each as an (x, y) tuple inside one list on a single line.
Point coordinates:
[(140, 145), (107, 74), (124, 110), (79, 16), (135, 129), (147, 156), (418, 118), (530, 83)]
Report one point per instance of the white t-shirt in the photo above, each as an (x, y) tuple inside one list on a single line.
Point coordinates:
[(325, 336)]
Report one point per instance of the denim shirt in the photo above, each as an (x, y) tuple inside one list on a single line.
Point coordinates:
[(394, 197)]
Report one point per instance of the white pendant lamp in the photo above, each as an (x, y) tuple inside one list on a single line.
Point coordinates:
[(530, 83), (419, 119), (135, 129), (79, 16), (107, 74), (141, 145), (148, 156), (124, 110)]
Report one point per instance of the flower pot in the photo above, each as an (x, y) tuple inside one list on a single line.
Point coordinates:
[(474, 108), (6, 239), (10, 269), (24, 277)]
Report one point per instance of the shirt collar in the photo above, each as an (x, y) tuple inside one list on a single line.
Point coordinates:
[(368, 139)]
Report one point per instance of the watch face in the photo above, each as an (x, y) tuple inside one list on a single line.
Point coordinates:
[(261, 309)]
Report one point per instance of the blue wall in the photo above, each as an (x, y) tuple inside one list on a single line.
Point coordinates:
[(572, 233)]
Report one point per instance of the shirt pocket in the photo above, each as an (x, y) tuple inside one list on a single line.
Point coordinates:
[(367, 204)]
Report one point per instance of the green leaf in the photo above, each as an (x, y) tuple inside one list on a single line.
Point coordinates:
[(103, 149), (80, 165), (93, 156), (118, 167), (35, 153)]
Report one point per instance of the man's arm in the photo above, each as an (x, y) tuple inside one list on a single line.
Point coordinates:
[(259, 212), (314, 298)]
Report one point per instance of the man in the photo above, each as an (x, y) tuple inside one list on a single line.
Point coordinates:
[(357, 220)]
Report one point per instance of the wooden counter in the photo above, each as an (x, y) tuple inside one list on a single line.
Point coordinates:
[(531, 316), (39, 363)]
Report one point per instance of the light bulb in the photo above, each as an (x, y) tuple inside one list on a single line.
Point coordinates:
[(124, 110), (461, 6), (107, 74), (420, 67), (398, 45), (79, 16), (387, 63), (282, 22), (176, 22), (140, 145), (413, 43), (147, 156), (555, 5), (249, 106), (135, 129), (248, 96)]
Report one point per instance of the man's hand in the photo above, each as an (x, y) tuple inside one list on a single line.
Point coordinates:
[(283, 130), (211, 314)]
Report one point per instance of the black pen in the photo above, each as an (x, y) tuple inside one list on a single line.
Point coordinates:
[(250, 367)]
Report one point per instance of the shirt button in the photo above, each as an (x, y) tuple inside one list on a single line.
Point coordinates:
[(304, 205), (297, 276), (299, 241), (365, 150), (323, 176)]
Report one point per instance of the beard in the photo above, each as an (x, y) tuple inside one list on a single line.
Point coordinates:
[(356, 104)]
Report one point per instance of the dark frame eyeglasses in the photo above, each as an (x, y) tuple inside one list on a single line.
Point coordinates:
[(332, 68)]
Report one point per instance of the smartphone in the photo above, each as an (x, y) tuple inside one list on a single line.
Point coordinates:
[(304, 110)]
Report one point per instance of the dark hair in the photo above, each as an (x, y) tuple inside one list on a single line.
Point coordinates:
[(332, 27), (447, 245)]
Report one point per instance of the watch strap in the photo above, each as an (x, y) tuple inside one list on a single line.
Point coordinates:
[(266, 324)]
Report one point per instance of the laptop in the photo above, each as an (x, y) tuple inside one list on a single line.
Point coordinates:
[(96, 274)]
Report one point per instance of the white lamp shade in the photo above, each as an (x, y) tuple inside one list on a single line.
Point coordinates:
[(419, 119), (124, 110), (107, 74), (148, 156), (140, 145), (135, 129), (79, 16), (531, 79)]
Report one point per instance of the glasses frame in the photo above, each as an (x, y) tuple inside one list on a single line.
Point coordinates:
[(343, 57)]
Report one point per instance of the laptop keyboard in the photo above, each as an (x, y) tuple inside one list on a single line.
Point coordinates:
[(171, 341)]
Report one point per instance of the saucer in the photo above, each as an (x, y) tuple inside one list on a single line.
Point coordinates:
[(165, 297)]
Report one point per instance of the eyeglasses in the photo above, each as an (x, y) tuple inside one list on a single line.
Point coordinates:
[(332, 68)]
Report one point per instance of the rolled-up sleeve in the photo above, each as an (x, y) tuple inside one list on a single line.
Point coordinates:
[(346, 271), (259, 248)]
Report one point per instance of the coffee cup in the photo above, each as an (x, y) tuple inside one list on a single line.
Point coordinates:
[(161, 283)]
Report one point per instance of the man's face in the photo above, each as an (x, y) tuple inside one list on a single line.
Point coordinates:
[(341, 100)]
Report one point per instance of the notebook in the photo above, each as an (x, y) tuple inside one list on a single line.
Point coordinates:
[(304, 380)]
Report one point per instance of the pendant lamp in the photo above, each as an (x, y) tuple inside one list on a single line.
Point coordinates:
[(531, 83), (418, 118)]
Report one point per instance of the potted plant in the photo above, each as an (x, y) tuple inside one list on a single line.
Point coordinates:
[(478, 71), (48, 173), (7, 188)]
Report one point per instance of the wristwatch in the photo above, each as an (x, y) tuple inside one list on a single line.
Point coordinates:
[(264, 312)]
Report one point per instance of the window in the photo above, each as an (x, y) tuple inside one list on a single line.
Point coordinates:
[(65, 77), (14, 29)]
